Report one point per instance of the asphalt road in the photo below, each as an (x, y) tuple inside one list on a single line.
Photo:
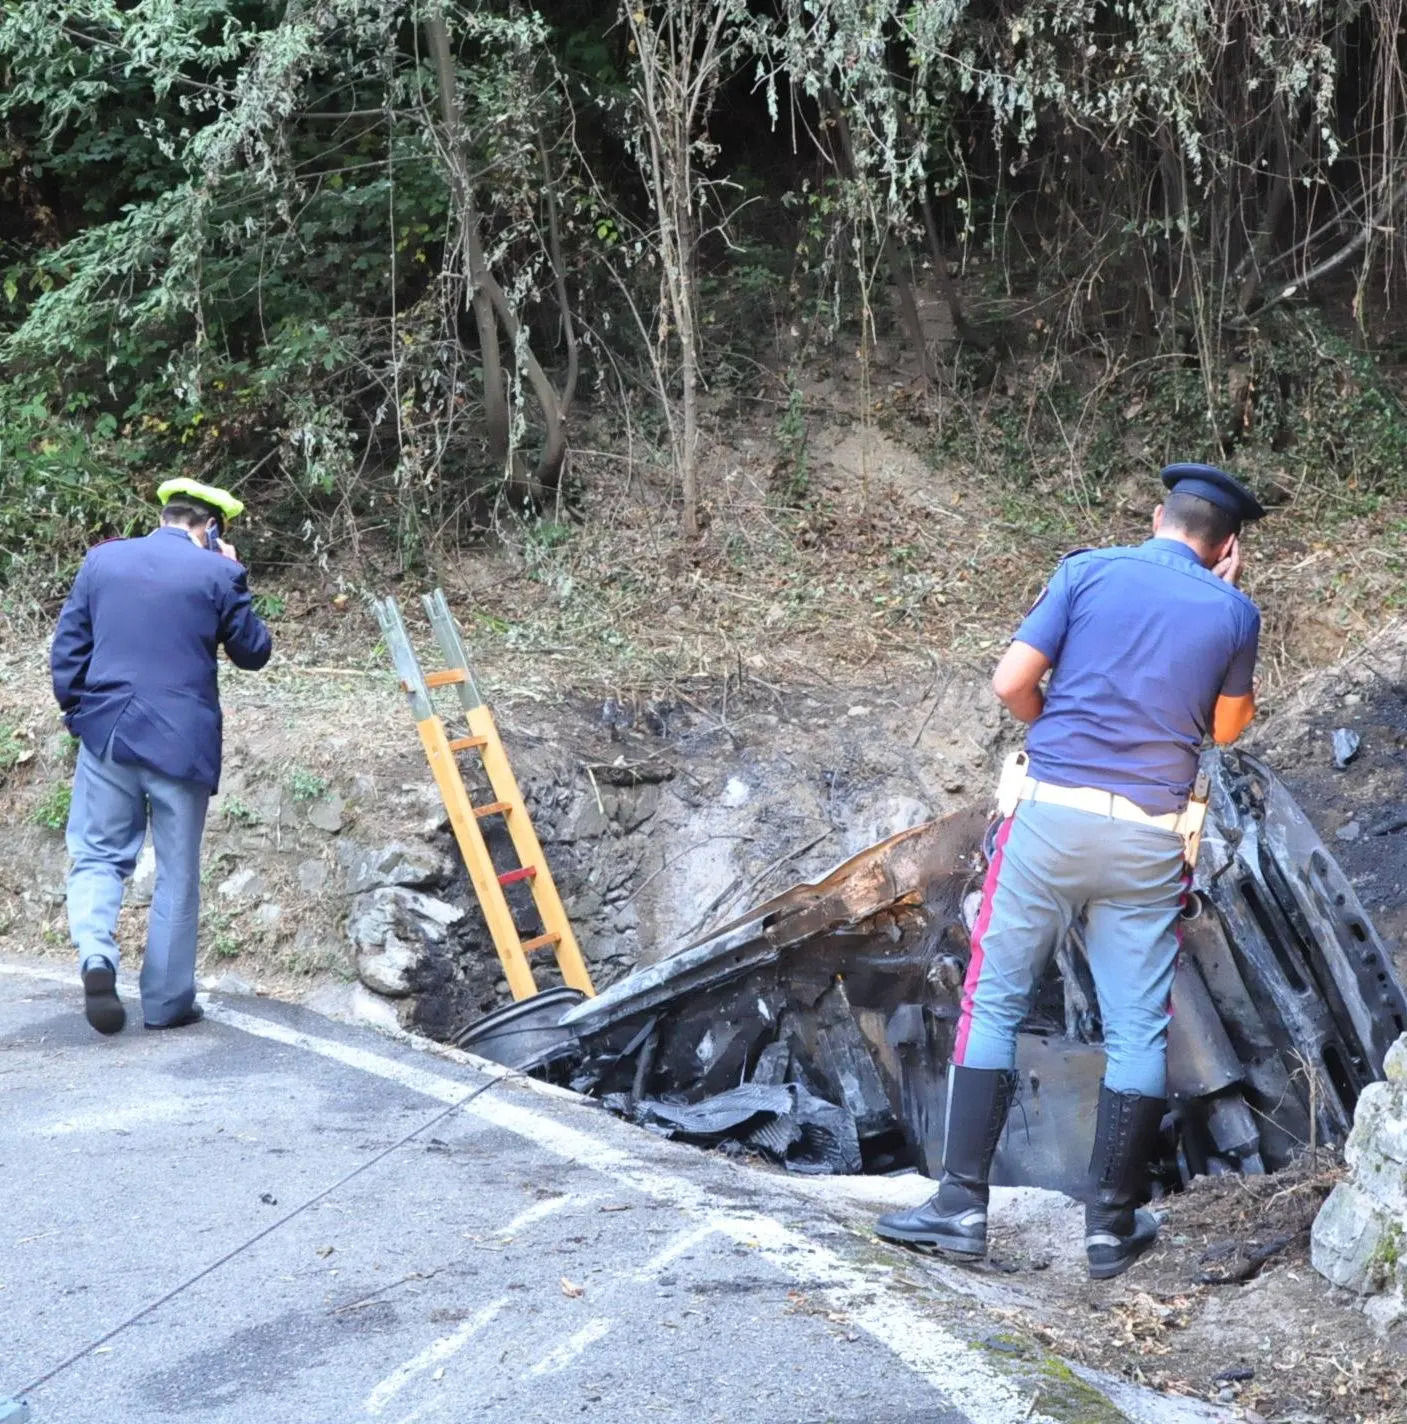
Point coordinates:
[(527, 1258)]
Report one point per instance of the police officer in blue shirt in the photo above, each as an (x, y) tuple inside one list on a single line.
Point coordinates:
[(1150, 650), (135, 673)]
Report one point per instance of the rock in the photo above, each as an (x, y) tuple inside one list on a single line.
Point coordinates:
[(1347, 1235), (143, 881), (425, 801), (245, 884), (396, 863), (268, 915), (224, 984), (312, 876), (1359, 1240), (584, 905), (1349, 832), (1346, 743), (884, 818), (631, 809), (392, 930), (590, 820), (354, 1003), (326, 813)]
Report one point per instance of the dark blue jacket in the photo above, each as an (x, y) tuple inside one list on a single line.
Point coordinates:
[(134, 657)]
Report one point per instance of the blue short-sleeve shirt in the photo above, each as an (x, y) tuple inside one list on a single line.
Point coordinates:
[(1143, 642)]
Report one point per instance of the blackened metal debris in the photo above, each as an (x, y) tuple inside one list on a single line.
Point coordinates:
[(816, 1029)]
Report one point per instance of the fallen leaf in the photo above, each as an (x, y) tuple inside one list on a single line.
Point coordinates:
[(571, 1290)]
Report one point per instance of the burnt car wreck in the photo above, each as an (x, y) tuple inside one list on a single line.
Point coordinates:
[(816, 1029)]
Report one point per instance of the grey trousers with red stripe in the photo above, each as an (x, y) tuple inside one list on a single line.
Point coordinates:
[(1053, 864)]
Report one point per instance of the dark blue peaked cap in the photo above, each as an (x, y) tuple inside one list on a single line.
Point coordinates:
[(1216, 487)]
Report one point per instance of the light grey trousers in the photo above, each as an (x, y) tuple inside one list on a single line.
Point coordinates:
[(107, 824), (1051, 865)]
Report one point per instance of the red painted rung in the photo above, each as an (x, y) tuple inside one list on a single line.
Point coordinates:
[(512, 877)]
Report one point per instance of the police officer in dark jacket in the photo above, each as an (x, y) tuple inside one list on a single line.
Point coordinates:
[(1150, 652), (134, 665)]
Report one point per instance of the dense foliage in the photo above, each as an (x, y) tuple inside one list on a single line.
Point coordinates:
[(357, 256)]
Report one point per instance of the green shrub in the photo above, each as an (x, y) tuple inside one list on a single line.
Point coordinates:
[(306, 785), (52, 811)]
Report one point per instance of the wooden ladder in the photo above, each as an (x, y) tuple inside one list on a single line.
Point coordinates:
[(464, 816)]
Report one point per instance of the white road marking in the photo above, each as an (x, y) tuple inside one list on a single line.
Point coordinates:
[(685, 1241), (568, 1350), (536, 1212), (431, 1356), (956, 1370)]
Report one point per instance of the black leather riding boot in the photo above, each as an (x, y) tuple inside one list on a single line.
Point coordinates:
[(1117, 1233), (955, 1217)]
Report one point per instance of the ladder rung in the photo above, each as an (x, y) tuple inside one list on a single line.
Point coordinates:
[(541, 942), (512, 877), (493, 808), (462, 744), (444, 677)]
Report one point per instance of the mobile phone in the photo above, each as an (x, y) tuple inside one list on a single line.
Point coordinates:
[(212, 537)]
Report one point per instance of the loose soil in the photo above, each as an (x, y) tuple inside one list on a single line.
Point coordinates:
[(1274, 1339)]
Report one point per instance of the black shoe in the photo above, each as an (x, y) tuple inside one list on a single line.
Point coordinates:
[(955, 1217), (101, 1005), (192, 1015), (1125, 1142), (1112, 1252)]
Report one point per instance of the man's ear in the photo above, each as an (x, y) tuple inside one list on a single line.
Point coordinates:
[(1157, 518)]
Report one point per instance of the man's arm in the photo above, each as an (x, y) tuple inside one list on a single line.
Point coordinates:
[(1236, 705), (1017, 681), (246, 638), (72, 649), (1034, 650)]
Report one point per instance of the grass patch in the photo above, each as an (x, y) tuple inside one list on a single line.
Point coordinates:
[(14, 749), (305, 785), (220, 936), (52, 811), (240, 813)]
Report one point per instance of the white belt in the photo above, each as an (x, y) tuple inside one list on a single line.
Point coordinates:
[(1015, 786), (1099, 803)]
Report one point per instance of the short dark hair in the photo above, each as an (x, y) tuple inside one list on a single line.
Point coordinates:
[(1199, 518), (193, 513)]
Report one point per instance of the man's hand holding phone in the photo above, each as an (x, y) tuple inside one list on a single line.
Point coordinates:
[(209, 538), (1229, 568)]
